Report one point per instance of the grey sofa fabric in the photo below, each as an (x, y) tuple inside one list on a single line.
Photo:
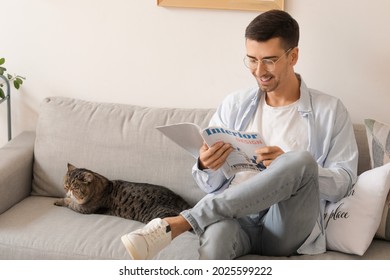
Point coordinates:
[(121, 142), (118, 141), (16, 163), (36, 229)]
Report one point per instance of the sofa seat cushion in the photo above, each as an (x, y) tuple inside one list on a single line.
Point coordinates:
[(378, 250), (36, 229)]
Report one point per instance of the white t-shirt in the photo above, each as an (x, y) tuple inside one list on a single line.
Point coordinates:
[(278, 126)]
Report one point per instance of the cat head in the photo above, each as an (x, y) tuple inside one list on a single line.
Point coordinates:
[(81, 184)]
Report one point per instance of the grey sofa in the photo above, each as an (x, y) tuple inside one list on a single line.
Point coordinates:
[(120, 142)]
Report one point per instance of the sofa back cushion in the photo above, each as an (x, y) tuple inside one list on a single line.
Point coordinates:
[(118, 141), (364, 153)]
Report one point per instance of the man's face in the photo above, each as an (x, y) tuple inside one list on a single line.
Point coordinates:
[(269, 79)]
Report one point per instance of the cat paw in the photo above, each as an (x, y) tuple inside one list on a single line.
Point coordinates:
[(59, 202)]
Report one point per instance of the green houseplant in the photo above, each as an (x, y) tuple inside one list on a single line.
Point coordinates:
[(7, 79), (15, 80)]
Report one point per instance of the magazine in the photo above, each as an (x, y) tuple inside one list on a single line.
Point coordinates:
[(191, 137)]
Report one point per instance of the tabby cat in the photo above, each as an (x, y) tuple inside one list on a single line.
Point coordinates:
[(89, 192)]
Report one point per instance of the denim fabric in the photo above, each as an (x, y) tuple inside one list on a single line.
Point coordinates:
[(271, 213)]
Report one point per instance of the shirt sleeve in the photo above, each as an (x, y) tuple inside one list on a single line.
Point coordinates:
[(338, 173), (208, 180)]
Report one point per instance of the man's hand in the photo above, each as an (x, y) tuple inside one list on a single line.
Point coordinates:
[(268, 154), (214, 157)]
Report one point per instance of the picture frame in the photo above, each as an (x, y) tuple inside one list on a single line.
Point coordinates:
[(246, 5)]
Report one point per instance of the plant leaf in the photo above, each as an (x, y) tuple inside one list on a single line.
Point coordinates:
[(16, 80), (2, 95), (18, 83)]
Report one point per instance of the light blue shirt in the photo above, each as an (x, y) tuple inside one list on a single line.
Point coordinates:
[(331, 142)]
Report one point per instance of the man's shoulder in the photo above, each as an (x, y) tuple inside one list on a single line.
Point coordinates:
[(326, 104), (318, 96)]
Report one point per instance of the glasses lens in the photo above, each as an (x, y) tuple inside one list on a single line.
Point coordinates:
[(252, 63), (269, 64)]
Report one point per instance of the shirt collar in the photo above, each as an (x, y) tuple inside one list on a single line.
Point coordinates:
[(304, 105)]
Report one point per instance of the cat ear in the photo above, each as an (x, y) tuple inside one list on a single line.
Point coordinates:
[(71, 167)]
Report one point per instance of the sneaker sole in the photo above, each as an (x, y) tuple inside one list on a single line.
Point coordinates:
[(130, 248)]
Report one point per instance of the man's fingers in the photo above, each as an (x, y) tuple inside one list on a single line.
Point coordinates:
[(219, 159), (215, 156), (268, 154)]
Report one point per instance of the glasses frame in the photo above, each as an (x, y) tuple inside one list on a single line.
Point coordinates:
[(268, 63)]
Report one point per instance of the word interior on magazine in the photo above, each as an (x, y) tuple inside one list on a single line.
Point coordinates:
[(249, 138), (215, 130)]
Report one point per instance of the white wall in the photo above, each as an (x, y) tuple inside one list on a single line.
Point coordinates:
[(132, 51)]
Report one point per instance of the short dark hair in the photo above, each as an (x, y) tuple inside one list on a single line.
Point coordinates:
[(274, 24)]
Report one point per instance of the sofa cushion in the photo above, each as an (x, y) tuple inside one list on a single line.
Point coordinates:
[(378, 135), (118, 141), (362, 143), (378, 250), (36, 229), (351, 223)]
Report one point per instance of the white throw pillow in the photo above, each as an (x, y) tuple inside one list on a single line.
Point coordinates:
[(352, 222)]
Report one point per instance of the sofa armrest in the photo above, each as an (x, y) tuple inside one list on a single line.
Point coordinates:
[(16, 165)]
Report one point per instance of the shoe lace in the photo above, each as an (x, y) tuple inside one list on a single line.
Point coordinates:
[(153, 234)]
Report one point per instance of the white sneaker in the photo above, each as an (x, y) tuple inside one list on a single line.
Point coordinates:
[(145, 243)]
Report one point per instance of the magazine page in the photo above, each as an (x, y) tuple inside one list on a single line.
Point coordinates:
[(243, 157), (191, 137), (186, 135)]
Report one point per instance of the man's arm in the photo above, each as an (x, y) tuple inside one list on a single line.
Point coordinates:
[(338, 173), (206, 171)]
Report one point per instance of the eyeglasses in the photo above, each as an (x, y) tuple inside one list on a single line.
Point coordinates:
[(269, 64)]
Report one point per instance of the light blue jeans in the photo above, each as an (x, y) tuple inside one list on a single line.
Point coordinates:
[(270, 214)]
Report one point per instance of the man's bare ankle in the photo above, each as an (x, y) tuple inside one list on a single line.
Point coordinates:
[(178, 225)]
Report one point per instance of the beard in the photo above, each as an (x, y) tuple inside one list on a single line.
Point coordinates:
[(268, 83)]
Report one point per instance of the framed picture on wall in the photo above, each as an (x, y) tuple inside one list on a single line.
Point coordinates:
[(247, 5)]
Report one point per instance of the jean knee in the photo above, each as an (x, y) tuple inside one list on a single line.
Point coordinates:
[(223, 240), (303, 159)]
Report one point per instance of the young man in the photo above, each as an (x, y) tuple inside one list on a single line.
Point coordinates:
[(310, 159)]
